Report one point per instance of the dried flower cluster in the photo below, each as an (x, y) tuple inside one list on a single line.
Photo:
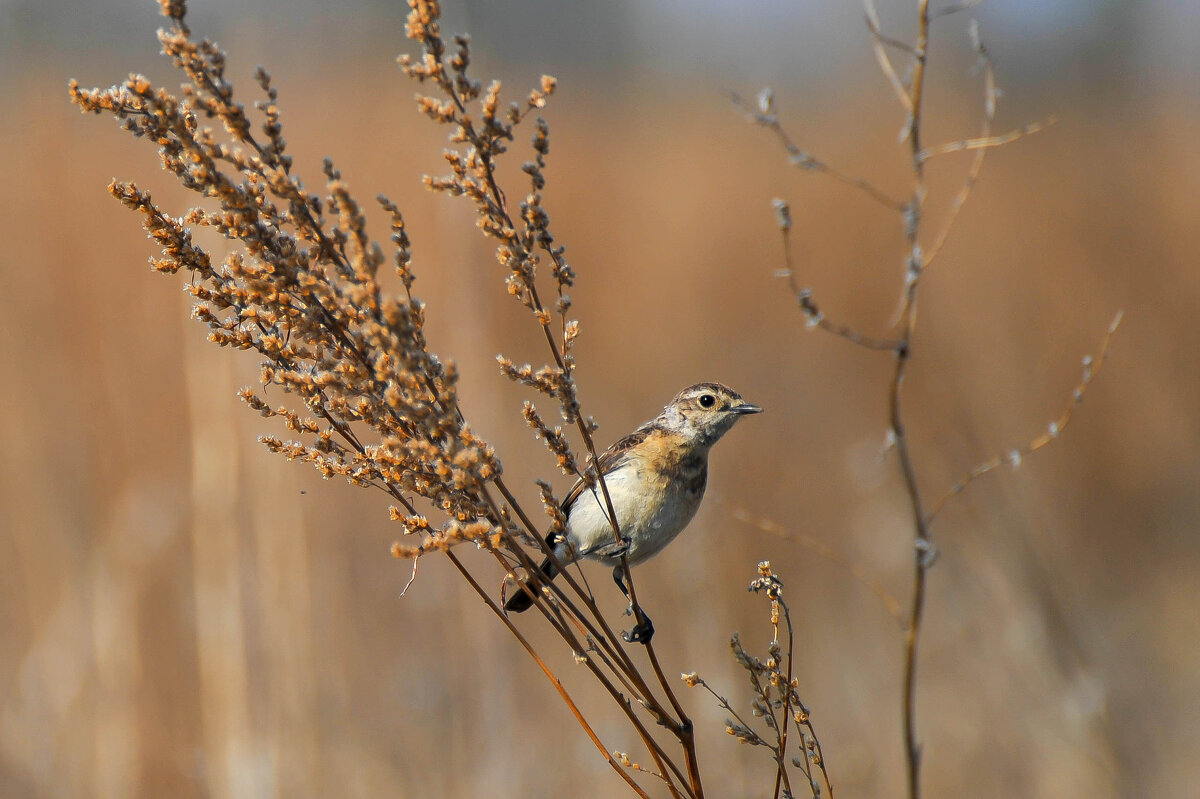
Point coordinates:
[(776, 697), (301, 287)]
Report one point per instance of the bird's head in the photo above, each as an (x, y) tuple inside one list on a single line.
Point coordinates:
[(706, 411)]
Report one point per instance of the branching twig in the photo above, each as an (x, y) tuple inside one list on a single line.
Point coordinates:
[(812, 314), (776, 697), (889, 602), (558, 686), (910, 91), (985, 142), (765, 116), (1014, 457), (878, 42)]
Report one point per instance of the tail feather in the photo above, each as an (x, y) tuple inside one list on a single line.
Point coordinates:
[(522, 600)]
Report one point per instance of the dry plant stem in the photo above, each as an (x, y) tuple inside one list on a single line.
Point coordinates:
[(982, 144), (879, 43), (922, 549), (910, 93), (627, 673), (807, 724), (322, 299), (1091, 368), (781, 774), (500, 208), (776, 699), (804, 160), (661, 758), (890, 603), (682, 728), (423, 27), (558, 686), (607, 637), (553, 612), (787, 616), (964, 193), (813, 313), (985, 142)]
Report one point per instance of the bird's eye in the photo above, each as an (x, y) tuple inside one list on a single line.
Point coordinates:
[(707, 400)]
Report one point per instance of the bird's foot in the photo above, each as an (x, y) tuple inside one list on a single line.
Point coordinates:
[(615, 549), (641, 634)]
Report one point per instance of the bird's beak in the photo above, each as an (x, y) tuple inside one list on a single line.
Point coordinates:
[(746, 407)]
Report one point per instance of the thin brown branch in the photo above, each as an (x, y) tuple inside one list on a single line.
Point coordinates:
[(804, 718), (607, 637), (878, 43), (1014, 457), (629, 764), (989, 114), (766, 117), (985, 142), (558, 686), (923, 548), (889, 602), (661, 758), (494, 206), (684, 730), (781, 775), (553, 612), (645, 697), (803, 295)]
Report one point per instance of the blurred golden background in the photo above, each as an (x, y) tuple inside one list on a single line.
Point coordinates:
[(182, 614)]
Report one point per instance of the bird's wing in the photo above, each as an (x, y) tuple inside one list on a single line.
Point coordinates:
[(610, 459)]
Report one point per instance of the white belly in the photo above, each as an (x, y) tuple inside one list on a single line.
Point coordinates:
[(649, 513)]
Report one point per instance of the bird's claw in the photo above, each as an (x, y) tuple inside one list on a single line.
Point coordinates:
[(641, 634), (617, 549)]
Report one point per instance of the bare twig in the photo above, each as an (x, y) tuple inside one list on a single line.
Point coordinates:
[(412, 578), (889, 602), (923, 548), (989, 113), (910, 91), (1014, 457), (803, 295), (623, 757), (878, 42), (985, 142), (558, 686), (765, 116)]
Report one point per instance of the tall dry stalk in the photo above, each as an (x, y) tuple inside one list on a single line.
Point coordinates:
[(905, 67), (300, 284)]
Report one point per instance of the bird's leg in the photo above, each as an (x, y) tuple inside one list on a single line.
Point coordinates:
[(619, 579), (643, 631)]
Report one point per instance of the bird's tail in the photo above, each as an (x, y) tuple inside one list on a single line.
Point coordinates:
[(522, 600)]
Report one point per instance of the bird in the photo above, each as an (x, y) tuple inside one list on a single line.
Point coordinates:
[(655, 477)]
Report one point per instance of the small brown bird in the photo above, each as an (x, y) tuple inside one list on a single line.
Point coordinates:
[(655, 477)]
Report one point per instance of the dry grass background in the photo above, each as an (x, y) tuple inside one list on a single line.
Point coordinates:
[(182, 614)]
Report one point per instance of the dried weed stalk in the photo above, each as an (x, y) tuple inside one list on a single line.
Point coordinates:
[(373, 404), (776, 699), (904, 67)]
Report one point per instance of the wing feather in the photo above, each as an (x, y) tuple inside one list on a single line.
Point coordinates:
[(610, 460)]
